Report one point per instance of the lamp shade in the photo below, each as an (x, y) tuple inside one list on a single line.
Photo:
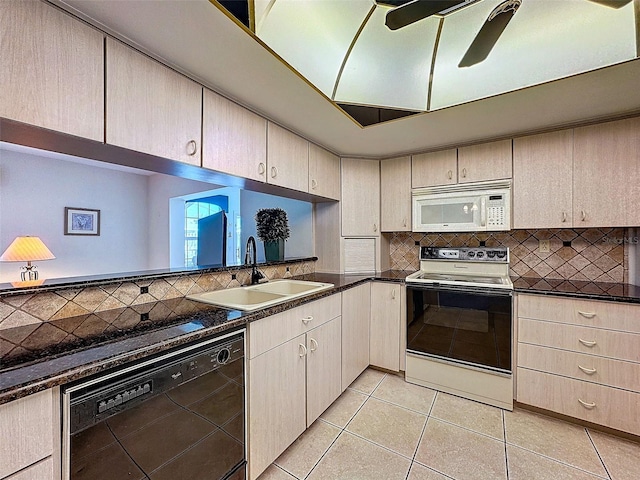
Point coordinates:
[(26, 249)]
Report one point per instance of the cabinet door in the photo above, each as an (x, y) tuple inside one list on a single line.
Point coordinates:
[(606, 173), (384, 335), (356, 311), (323, 368), (276, 403), (324, 173), (151, 108), (27, 431), (55, 76), (486, 161), (395, 194), (360, 197), (434, 168), (234, 139), (542, 178), (287, 159)]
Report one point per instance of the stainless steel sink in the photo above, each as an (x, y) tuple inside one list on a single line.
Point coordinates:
[(255, 297)]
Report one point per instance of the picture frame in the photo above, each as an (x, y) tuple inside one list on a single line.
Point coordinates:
[(81, 221)]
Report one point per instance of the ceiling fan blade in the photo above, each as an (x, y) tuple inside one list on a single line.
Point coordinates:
[(416, 10), (612, 3), (489, 33)]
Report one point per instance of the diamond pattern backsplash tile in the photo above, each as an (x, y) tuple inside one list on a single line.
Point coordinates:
[(594, 254), (19, 310)]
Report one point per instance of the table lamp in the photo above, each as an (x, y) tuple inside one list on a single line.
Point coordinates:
[(27, 249)]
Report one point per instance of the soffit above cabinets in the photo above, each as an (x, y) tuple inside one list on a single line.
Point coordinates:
[(203, 42)]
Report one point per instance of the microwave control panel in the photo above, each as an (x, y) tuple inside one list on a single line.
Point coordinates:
[(496, 216)]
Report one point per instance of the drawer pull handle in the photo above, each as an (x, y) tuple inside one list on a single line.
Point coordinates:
[(192, 148), (587, 314), (306, 320), (393, 294), (313, 342), (314, 184), (587, 343), (588, 406), (588, 371), (261, 168), (274, 172), (564, 217), (303, 350)]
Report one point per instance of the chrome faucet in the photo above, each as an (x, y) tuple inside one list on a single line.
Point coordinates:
[(250, 259)]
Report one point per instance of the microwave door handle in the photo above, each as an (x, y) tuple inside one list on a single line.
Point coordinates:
[(483, 212)]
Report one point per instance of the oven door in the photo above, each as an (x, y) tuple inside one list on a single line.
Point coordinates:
[(466, 325)]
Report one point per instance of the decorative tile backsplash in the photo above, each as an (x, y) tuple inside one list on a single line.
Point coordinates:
[(594, 254), (111, 299)]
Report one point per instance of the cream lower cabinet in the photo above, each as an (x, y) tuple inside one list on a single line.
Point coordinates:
[(294, 375), (53, 70), (30, 437), (580, 358), (387, 321), (356, 313)]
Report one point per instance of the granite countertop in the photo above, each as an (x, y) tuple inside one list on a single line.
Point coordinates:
[(613, 292), (40, 356)]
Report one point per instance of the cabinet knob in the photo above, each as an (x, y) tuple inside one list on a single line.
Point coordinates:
[(564, 217), (464, 173), (404, 222), (274, 172), (449, 174), (307, 319), (303, 350), (583, 214), (313, 342), (192, 148), (393, 294), (261, 168), (375, 227), (314, 184)]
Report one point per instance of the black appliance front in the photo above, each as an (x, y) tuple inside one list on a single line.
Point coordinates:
[(177, 417), (471, 326)]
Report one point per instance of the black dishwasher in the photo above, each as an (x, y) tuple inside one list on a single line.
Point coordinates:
[(178, 416)]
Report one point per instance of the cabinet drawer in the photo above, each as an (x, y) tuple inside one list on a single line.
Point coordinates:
[(602, 405), (272, 331), (614, 316), (589, 368), (594, 341)]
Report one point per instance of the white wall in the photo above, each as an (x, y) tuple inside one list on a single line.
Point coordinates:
[(300, 243), (34, 190)]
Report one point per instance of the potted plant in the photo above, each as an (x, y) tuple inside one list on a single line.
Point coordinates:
[(272, 227)]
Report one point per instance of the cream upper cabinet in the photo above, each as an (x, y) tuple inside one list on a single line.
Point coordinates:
[(55, 78), (356, 313), (324, 173), (30, 433), (360, 197), (606, 175), (434, 168), (287, 159), (395, 195), (386, 322), (542, 180), (151, 108), (485, 161), (234, 139)]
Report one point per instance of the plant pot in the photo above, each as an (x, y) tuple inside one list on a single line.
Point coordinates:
[(274, 251)]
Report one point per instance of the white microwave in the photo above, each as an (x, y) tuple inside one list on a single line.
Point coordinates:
[(469, 207)]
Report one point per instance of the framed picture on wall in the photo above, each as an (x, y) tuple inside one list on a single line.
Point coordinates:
[(81, 221)]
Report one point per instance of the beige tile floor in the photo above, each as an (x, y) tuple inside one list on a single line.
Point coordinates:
[(382, 428)]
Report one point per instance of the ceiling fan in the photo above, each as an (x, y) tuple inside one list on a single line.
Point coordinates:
[(407, 12)]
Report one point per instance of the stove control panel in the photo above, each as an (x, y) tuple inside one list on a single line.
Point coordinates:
[(464, 254)]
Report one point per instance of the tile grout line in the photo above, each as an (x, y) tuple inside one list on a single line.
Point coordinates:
[(598, 453)]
